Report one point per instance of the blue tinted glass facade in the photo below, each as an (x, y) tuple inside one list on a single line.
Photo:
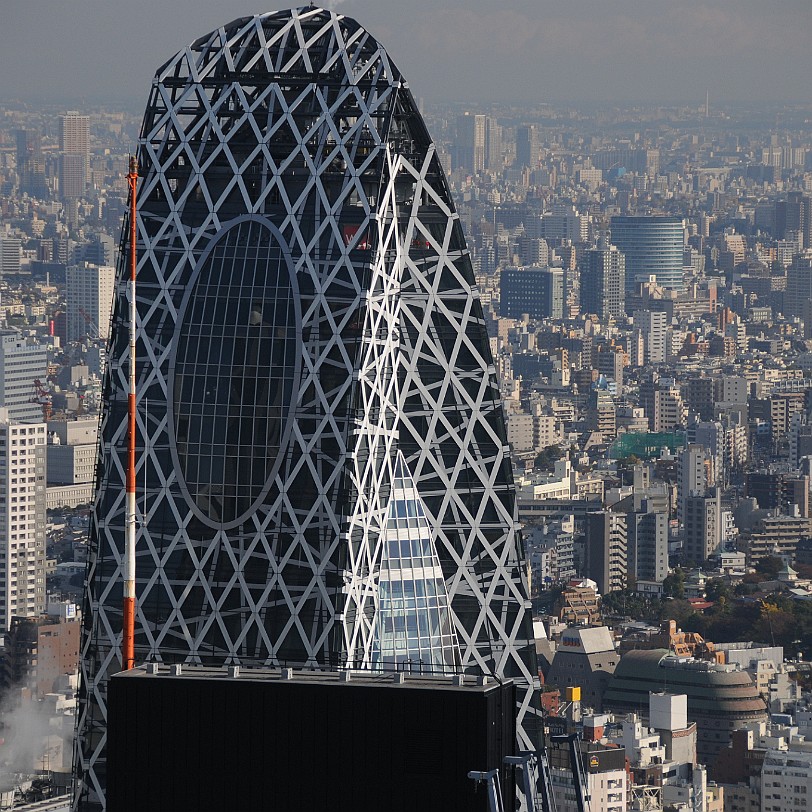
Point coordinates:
[(413, 627), (652, 246)]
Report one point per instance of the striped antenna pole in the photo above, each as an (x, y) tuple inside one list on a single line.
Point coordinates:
[(128, 625)]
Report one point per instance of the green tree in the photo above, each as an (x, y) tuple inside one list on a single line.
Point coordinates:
[(717, 590), (770, 566), (548, 457), (674, 584)]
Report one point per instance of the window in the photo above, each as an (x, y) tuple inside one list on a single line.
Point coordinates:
[(236, 364)]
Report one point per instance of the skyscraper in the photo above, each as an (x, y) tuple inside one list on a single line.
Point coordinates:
[(11, 254), (799, 285), (703, 527), (794, 216), (527, 149), (603, 282), (653, 247), (607, 550), (22, 362), (89, 300), (22, 519), (31, 163), (648, 545), (653, 324), (318, 412), (74, 160), (472, 131), (539, 292)]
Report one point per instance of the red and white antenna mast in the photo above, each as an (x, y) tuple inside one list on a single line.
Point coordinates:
[(128, 625)]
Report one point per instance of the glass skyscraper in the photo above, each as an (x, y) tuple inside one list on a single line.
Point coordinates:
[(324, 479), (652, 246)]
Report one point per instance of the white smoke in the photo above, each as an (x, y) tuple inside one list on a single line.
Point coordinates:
[(24, 733), (29, 743)]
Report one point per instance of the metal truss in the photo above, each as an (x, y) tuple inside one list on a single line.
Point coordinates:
[(295, 129)]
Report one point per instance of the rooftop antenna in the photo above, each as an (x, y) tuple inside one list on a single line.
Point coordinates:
[(128, 620)]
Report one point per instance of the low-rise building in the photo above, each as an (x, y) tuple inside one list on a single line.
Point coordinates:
[(584, 658)]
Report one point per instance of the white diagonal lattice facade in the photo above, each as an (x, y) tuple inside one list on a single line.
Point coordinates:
[(306, 315)]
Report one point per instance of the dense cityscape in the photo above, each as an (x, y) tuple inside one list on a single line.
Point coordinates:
[(645, 278)]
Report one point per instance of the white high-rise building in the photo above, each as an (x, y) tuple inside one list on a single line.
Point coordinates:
[(22, 519), (89, 293), (786, 778), (694, 474), (22, 362), (654, 326)]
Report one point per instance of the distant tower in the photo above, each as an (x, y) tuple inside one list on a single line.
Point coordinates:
[(702, 527), (31, 163), (799, 285), (527, 150), (603, 282), (653, 246), (89, 298), (74, 160), (472, 133), (653, 325)]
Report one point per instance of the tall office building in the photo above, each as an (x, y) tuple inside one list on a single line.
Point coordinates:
[(799, 285), (319, 415), (472, 139), (648, 544), (527, 146), (702, 526), (74, 159), (793, 216), (653, 246), (89, 300), (696, 474), (22, 362), (22, 519), (564, 223), (11, 254), (653, 326), (607, 550), (31, 163), (538, 292), (662, 402), (603, 282)]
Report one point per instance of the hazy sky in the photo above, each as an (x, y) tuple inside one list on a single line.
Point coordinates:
[(522, 50)]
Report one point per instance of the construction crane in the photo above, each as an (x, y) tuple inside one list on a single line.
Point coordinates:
[(92, 327), (42, 397)]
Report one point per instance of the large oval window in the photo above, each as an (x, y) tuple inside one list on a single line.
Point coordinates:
[(236, 366)]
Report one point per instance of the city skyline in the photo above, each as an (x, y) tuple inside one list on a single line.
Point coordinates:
[(420, 349), (662, 51)]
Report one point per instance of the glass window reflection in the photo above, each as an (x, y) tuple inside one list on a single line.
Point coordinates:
[(235, 368), (413, 628)]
